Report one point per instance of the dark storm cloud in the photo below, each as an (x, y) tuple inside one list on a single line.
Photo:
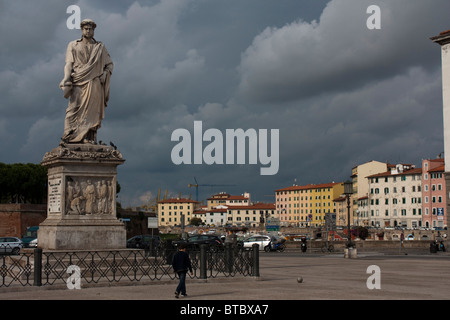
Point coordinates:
[(338, 52), (340, 94)]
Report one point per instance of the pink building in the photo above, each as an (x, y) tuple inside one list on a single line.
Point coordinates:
[(434, 194)]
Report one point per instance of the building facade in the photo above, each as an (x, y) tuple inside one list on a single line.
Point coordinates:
[(306, 205), (434, 194), (225, 199), (395, 197), (360, 184), (254, 215), (172, 211), (223, 209)]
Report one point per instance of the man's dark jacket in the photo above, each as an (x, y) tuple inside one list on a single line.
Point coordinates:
[(181, 262)]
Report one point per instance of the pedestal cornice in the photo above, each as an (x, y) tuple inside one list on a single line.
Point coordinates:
[(82, 152)]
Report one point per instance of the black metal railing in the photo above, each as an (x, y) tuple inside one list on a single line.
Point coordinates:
[(42, 268)]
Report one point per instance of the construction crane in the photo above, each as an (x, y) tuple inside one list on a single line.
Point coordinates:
[(153, 204), (196, 185)]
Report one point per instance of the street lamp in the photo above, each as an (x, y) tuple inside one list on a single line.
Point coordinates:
[(348, 191)]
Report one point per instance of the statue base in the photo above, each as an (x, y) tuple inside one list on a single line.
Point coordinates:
[(81, 204)]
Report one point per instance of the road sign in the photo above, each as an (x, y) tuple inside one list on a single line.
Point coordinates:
[(152, 222), (273, 224)]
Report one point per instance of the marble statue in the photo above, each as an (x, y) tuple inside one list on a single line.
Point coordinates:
[(86, 83)]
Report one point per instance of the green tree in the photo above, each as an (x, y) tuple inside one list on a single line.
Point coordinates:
[(362, 232), (23, 183), (195, 221)]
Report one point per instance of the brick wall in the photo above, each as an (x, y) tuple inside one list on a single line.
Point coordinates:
[(16, 218)]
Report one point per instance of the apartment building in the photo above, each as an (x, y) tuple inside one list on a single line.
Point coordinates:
[(237, 210), (341, 210), (172, 211), (306, 205), (216, 216), (434, 194), (293, 205), (253, 215), (361, 188), (395, 197), (225, 199)]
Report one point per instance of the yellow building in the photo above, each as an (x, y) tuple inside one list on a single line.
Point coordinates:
[(322, 196), (303, 205), (170, 211)]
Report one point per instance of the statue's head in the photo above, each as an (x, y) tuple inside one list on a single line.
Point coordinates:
[(87, 28), (88, 22)]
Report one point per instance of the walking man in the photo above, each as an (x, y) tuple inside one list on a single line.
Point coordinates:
[(181, 264)]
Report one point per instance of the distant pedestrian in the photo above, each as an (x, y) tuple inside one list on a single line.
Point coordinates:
[(402, 238), (181, 264)]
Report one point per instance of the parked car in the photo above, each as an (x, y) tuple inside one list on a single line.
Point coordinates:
[(194, 242), (10, 245), (260, 240), (143, 241), (33, 243), (30, 238)]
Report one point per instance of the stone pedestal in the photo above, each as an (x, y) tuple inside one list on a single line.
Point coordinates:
[(350, 253), (81, 207)]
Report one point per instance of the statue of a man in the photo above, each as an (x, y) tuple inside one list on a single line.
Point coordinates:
[(86, 82)]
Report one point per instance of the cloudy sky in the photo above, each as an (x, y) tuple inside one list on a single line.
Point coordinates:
[(340, 94)]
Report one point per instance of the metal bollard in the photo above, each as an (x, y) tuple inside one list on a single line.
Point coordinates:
[(37, 267), (150, 249), (255, 258), (203, 261), (229, 258)]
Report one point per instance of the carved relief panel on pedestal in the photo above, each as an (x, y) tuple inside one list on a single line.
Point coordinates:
[(89, 195)]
